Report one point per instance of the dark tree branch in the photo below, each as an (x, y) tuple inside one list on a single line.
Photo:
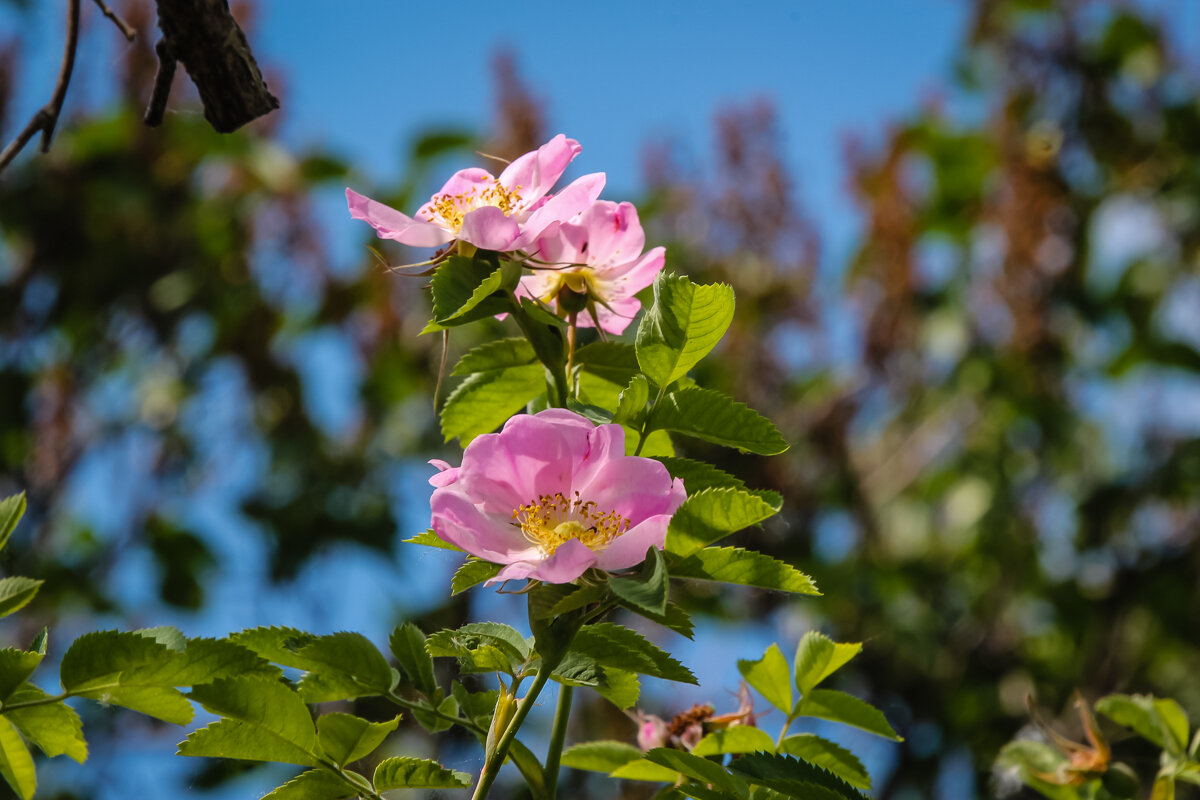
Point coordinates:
[(207, 39), (162, 84), (127, 30), (47, 116)]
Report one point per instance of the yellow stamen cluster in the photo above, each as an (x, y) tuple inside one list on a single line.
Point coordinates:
[(453, 207), (551, 520)]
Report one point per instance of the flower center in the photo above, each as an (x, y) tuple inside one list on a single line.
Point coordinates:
[(451, 208), (552, 520)]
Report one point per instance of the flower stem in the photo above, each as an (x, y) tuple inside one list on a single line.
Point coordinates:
[(495, 760), (644, 432), (558, 736)]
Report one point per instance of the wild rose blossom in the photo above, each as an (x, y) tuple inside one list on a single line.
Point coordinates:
[(552, 496), (597, 254), (502, 214)]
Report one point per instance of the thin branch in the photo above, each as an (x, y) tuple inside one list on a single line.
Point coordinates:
[(127, 30), (47, 116), (162, 84)]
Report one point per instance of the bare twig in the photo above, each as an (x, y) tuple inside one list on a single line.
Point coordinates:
[(47, 116), (127, 30), (162, 84)]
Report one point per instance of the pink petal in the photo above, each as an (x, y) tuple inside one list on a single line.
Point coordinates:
[(570, 560), (561, 244), (636, 488), (616, 320), (466, 182), (446, 474), (615, 234), (629, 549), (637, 275), (457, 520), (391, 224), (573, 199), (537, 172), (489, 229)]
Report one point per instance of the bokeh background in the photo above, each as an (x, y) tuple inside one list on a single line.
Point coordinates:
[(965, 241)]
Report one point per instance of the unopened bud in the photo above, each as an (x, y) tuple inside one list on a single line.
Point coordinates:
[(506, 706), (572, 301)]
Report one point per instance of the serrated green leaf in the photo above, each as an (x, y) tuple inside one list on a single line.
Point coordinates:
[(11, 511), (430, 539), (576, 669), (648, 589), (433, 723), (16, 765), (698, 476), (838, 706), (276, 713), (461, 285), (485, 400), (600, 756), (818, 657), (827, 755), (617, 646), (738, 739), (97, 659), (343, 666), (582, 597), (202, 661), (481, 647), (472, 572), (683, 324), (160, 702), (166, 635), (1031, 759), (497, 354), (712, 514), (417, 773), (54, 727), (613, 362), (714, 417), (477, 706), (15, 667), (346, 738), (315, 784), (407, 644), (771, 677), (278, 644), (658, 444), (698, 769), (621, 687), (1160, 721), (676, 618), (231, 738), (643, 770), (16, 592), (792, 777), (745, 568), (632, 400)]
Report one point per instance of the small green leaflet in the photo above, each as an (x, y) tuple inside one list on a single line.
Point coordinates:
[(488, 397), (600, 756), (621, 687), (1161, 721), (16, 592), (1030, 759), (770, 677), (417, 773), (431, 539), (745, 568), (343, 666), (16, 765), (616, 646), (346, 738), (841, 707), (267, 721), (698, 769), (481, 647), (792, 777), (15, 667), (714, 417), (712, 514), (738, 739), (615, 362), (461, 285), (54, 727), (11, 511), (648, 589), (632, 400), (407, 644), (698, 476), (818, 657), (315, 784), (827, 755), (683, 324), (472, 572)]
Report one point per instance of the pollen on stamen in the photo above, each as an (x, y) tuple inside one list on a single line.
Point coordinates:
[(451, 208), (552, 520)]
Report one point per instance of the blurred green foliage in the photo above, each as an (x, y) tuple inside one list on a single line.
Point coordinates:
[(995, 471)]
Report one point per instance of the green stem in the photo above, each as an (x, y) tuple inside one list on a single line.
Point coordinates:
[(41, 701), (491, 767), (414, 706), (558, 735), (787, 723), (644, 433), (361, 786), (571, 329)]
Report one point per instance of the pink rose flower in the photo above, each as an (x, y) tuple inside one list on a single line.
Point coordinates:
[(502, 214), (598, 253), (552, 496)]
